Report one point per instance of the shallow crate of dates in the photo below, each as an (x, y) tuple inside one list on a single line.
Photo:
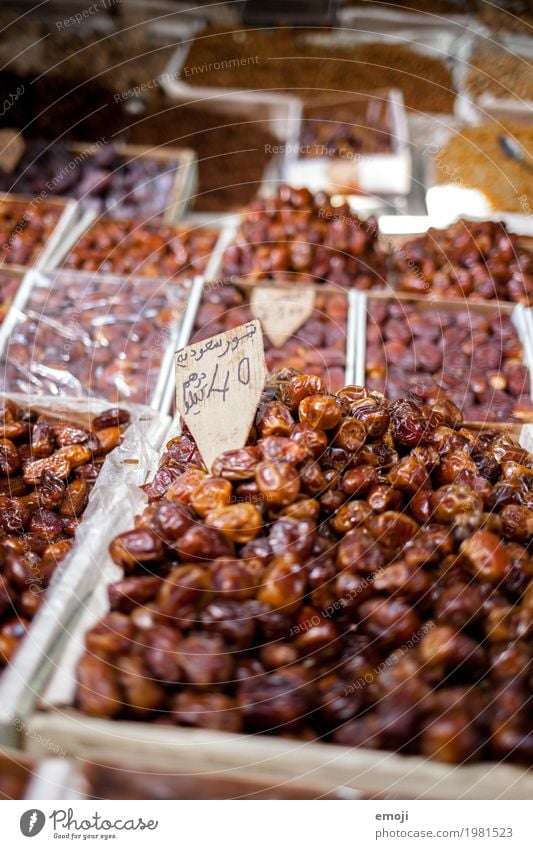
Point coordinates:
[(469, 261), (165, 189), (146, 247), (297, 236), (346, 601), (32, 229), (123, 180), (477, 354), (69, 468), (73, 333), (354, 144)]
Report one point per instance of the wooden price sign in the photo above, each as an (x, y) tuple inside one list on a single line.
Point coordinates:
[(281, 311), (12, 146), (218, 385)]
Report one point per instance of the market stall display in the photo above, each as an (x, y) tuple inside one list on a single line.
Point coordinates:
[(341, 606), (342, 510)]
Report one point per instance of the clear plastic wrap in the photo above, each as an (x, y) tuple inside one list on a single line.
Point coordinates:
[(104, 336)]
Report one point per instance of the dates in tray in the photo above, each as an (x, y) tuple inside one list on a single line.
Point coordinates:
[(478, 260), (472, 358), (48, 467), (317, 347), (102, 177), (25, 228), (133, 246), (347, 127), (296, 236), (359, 573), (93, 334)]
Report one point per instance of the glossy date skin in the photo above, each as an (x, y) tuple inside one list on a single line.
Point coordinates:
[(359, 573), (470, 358), (299, 237), (134, 246), (48, 467), (471, 260)]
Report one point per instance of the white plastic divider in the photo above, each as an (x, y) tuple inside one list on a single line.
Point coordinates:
[(56, 778), (54, 244), (228, 225), (70, 237), (528, 344), (357, 335)]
